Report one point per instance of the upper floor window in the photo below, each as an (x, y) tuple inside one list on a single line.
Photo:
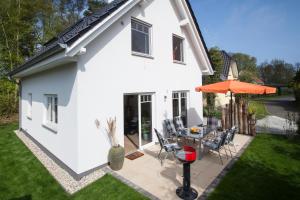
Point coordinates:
[(29, 106), (178, 54), (51, 106), (140, 37)]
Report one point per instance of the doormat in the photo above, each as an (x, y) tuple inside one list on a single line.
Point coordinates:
[(134, 155)]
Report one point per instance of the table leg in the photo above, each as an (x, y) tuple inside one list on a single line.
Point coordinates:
[(200, 150)]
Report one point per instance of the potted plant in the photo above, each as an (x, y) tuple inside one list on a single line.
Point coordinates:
[(116, 153), (146, 135)]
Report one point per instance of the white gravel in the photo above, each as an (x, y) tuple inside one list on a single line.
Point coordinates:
[(63, 178), (272, 124)]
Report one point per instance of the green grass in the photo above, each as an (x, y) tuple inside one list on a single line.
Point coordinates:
[(259, 107), (269, 169), (22, 176)]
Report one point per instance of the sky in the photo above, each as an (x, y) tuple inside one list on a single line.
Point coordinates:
[(266, 29)]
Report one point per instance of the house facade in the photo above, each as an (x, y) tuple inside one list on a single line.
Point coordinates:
[(136, 60), (229, 72)]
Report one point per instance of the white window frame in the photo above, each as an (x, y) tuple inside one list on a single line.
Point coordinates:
[(178, 95), (51, 114), (182, 61), (149, 26), (29, 106)]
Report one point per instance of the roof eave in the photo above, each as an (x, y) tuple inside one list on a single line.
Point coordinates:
[(56, 49), (211, 71)]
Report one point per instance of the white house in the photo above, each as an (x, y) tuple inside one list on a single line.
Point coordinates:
[(229, 72), (136, 60)]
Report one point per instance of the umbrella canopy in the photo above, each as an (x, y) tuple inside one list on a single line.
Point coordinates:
[(236, 87)]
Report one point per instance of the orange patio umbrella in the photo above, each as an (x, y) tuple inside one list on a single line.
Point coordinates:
[(235, 87)]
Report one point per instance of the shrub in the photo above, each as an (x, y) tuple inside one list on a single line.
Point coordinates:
[(8, 98)]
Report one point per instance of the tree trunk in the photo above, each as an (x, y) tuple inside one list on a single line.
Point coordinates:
[(240, 116), (245, 118), (236, 115), (223, 118)]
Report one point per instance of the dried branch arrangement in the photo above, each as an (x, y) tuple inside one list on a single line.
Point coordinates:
[(111, 131)]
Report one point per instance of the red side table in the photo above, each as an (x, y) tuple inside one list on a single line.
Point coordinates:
[(186, 156)]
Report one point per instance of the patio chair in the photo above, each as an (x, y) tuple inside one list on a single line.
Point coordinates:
[(165, 145), (217, 144), (179, 124), (171, 130), (229, 140)]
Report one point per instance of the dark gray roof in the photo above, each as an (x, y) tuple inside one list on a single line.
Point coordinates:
[(226, 65), (71, 34)]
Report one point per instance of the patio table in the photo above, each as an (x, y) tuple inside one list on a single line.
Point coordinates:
[(203, 131)]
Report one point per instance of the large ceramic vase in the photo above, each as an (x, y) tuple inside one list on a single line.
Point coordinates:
[(116, 158)]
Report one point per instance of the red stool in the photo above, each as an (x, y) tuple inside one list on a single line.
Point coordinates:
[(186, 156)]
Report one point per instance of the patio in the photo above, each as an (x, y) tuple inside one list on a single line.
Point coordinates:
[(162, 180)]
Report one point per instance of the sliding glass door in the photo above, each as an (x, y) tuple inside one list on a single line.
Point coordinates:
[(146, 119), (138, 121)]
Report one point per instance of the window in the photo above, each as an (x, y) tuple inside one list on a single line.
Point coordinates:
[(178, 49), (51, 107), (140, 37), (29, 106), (180, 106)]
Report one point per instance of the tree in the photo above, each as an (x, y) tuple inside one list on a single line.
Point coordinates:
[(277, 72), (247, 67), (217, 62), (25, 26), (94, 5)]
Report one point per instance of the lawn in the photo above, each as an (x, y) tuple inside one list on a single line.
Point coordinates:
[(259, 107), (22, 176), (269, 169)]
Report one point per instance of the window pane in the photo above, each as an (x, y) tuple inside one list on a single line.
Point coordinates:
[(140, 38), (146, 122), (49, 109), (177, 49), (175, 108), (55, 110), (184, 111), (140, 42)]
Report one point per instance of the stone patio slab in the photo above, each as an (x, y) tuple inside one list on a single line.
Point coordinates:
[(162, 180)]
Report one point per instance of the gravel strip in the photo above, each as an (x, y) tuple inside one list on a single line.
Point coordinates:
[(63, 178)]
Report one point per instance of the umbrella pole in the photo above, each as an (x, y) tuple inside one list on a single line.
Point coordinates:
[(231, 117)]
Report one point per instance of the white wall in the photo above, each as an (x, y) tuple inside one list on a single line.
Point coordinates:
[(61, 81), (223, 99), (108, 71)]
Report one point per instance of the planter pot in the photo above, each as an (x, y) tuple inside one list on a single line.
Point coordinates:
[(146, 136), (116, 158)]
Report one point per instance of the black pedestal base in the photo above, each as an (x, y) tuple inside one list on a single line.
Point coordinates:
[(190, 195)]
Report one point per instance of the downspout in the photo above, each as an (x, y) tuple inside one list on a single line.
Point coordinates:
[(20, 103)]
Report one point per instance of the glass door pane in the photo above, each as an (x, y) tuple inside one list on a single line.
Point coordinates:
[(146, 119), (184, 109), (175, 104)]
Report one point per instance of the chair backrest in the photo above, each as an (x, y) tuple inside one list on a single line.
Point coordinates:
[(160, 138), (223, 139), (178, 123), (212, 122), (233, 131), (170, 128)]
